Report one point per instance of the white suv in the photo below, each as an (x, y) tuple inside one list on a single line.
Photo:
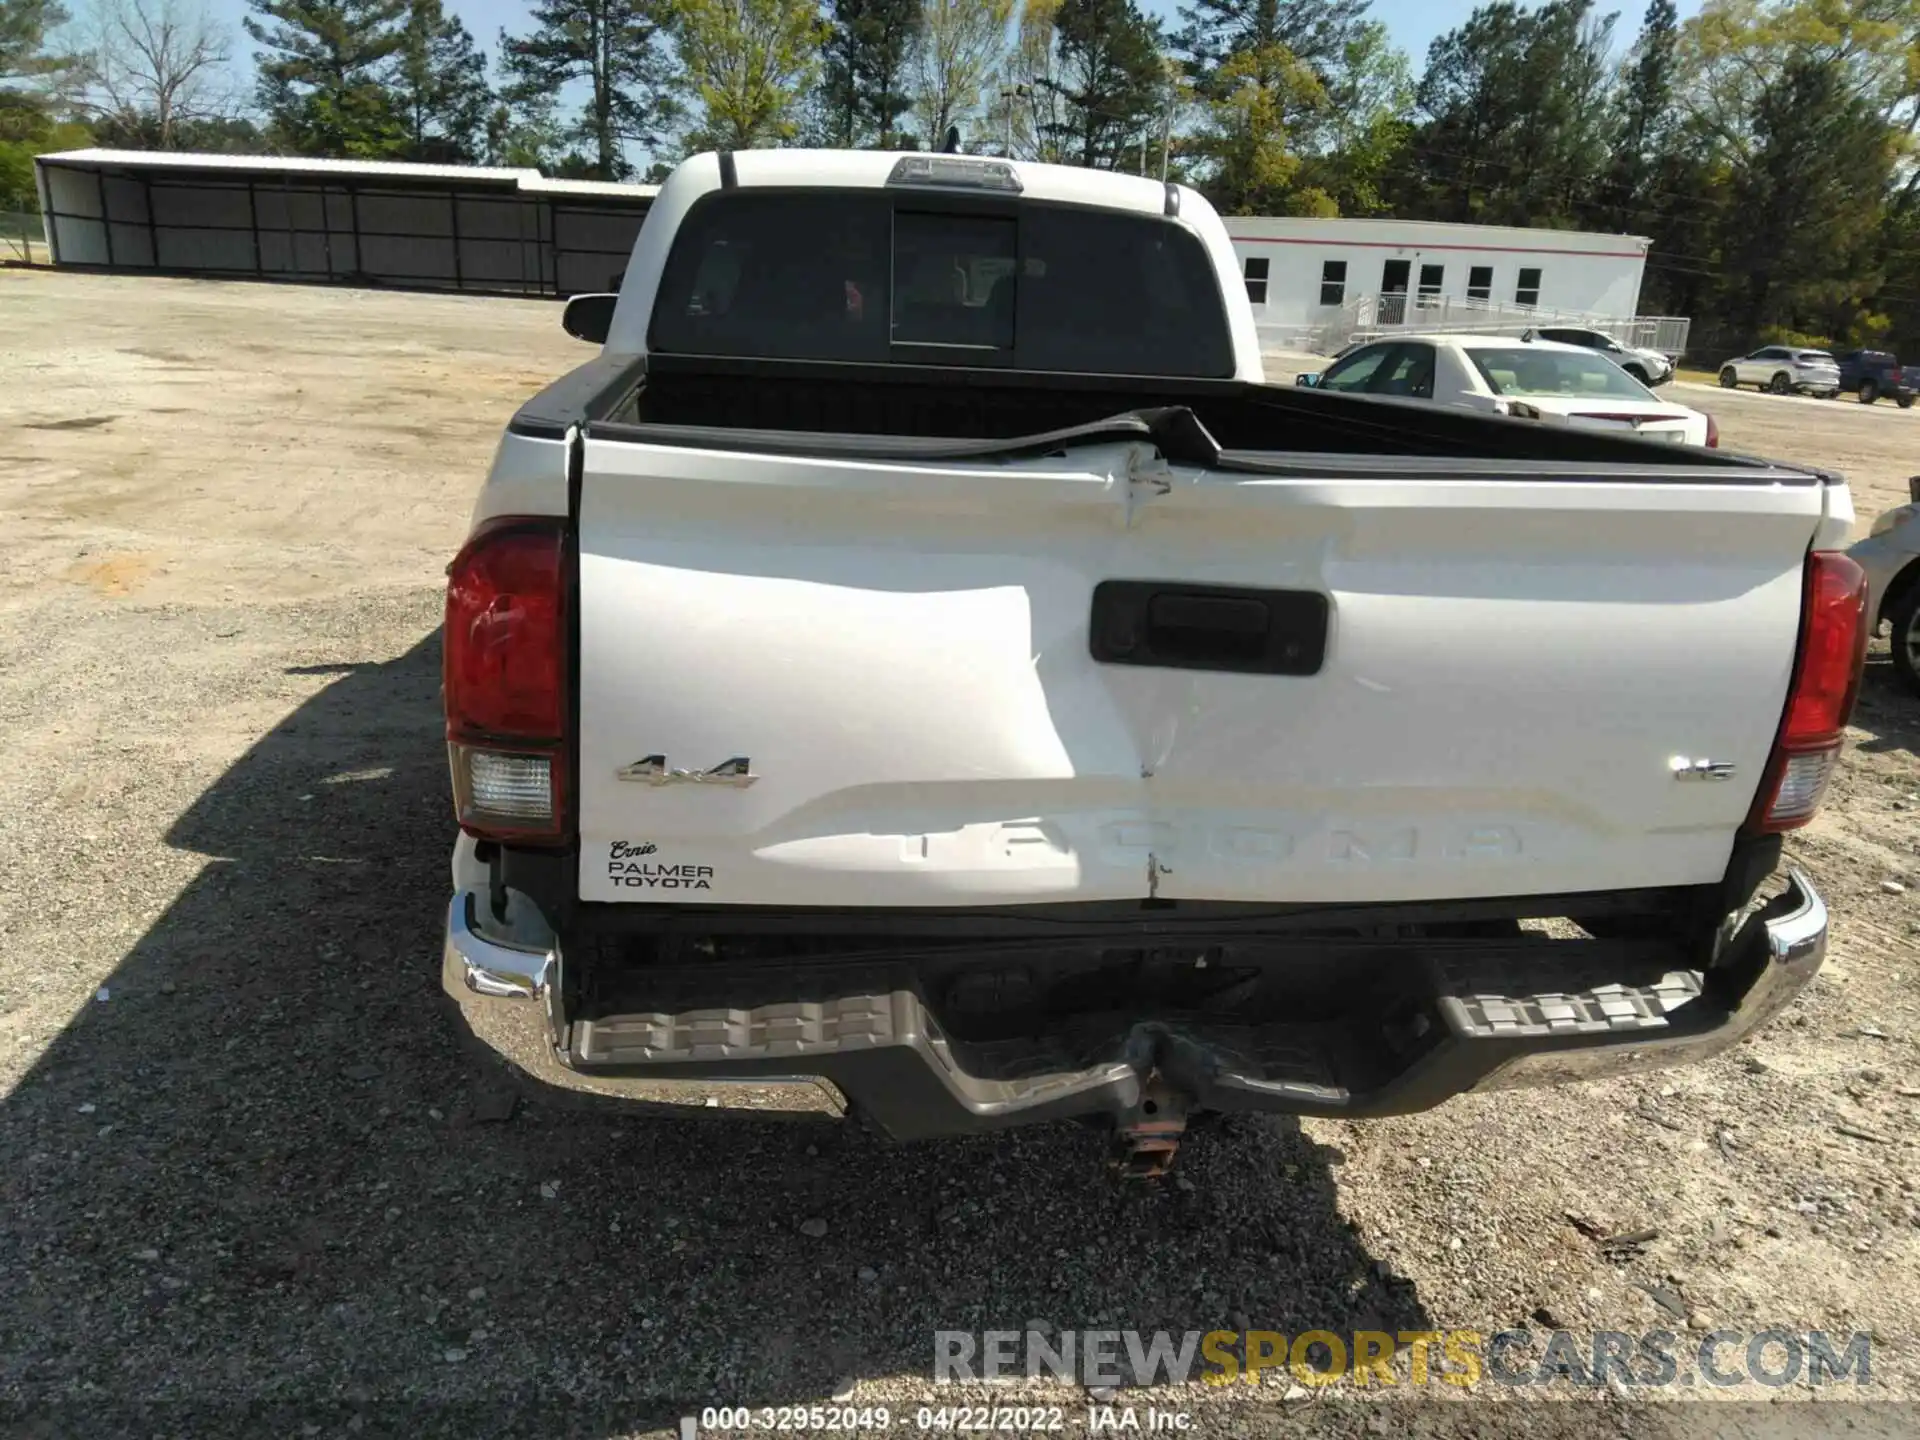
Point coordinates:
[(1649, 367), (1784, 369)]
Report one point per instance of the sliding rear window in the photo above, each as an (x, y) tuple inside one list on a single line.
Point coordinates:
[(881, 278)]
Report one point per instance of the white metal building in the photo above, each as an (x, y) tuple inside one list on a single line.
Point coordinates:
[(360, 222), (1327, 280)]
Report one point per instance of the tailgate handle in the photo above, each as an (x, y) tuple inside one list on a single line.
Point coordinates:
[(1208, 627)]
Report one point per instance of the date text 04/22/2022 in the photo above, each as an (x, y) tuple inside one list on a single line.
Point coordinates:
[(943, 1419)]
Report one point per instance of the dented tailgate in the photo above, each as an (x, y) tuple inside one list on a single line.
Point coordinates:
[(1094, 676)]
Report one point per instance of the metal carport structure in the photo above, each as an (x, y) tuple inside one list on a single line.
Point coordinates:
[(450, 227)]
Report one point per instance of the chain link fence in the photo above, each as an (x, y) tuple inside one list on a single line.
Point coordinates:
[(23, 238)]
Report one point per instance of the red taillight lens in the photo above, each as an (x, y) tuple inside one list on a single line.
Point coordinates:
[(1826, 678), (504, 646), (1713, 434), (505, 677)]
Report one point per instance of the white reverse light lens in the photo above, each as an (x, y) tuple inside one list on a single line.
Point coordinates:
[(506, 787), (1802, 783)]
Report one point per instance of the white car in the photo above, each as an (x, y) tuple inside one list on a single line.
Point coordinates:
[(1784, 370), (1538, 379)]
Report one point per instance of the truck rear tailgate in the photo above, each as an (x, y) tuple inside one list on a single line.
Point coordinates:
[(1088, 676)]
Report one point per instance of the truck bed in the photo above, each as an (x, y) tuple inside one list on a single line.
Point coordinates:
[(743, 403)]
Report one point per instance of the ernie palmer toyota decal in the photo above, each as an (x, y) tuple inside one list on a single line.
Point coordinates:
[(626, 868)]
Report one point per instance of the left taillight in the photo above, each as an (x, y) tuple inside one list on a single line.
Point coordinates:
[(1826, 679), (505, 680)]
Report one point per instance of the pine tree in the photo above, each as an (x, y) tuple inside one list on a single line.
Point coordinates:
[(322, 79), (1646, 113), (24, 27), (868, 50), (440, 86), (1316, 32), (617, 47), (1808, 198), (1516, 129), (1113, 81)]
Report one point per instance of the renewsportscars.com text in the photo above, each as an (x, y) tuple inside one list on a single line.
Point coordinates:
[(1465, 1358)]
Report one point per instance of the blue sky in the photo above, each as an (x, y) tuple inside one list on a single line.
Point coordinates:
[(1412, 23)]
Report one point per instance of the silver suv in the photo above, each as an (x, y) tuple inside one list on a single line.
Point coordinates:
[(1784, 369)]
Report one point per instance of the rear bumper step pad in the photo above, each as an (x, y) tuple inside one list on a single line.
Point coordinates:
[(1464, 1024)]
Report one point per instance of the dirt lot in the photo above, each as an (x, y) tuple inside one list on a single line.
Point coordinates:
[(243, 1185)]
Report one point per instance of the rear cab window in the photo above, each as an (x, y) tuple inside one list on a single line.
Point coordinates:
[(919, 277), (1524, 370)]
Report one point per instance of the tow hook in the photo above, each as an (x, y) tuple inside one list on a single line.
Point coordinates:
[(1147, 1137)]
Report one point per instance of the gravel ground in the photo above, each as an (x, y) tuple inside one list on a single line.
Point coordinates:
[(250, 1182)]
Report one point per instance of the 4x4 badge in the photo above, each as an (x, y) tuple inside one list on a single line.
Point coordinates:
[(653, 770)]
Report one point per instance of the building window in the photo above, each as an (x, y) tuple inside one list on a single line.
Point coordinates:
[(1431, 278), (1527, 292), (1333, 282), (1256, 280), (1393, 277), (1480, 283)]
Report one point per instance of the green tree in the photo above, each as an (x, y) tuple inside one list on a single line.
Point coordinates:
[(1808, 199), (1515, 107), (440, 87), (1645, 109), (323, 74), (1353, 143), (1776, 201), (617, 49), (210, 135), (24, 55), (1113, 83), (749, 62), (1243, 144), (1315, 32), (870, 45), (963, 44), (1733, 51)]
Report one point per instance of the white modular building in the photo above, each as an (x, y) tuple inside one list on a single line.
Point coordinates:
[(1318, 284)]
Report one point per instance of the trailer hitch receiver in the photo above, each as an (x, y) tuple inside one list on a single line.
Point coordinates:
[(1147, 1137)]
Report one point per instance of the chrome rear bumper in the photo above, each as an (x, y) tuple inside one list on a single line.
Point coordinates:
[(870, 1030)]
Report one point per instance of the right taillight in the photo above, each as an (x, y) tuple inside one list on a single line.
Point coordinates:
[(1826, 678), (1713, 434), (505, 669)]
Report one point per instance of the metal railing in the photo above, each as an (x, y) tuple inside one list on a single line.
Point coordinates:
[(1368, 317)]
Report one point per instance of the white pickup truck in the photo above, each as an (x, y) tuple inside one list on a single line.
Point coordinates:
[(919, 652)]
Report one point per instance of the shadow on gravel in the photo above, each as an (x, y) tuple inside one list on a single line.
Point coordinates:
[(254, 1177), (1887, 710)]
